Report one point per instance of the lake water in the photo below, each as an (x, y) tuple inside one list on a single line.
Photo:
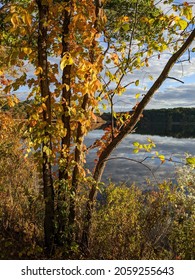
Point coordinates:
[(121, 170)]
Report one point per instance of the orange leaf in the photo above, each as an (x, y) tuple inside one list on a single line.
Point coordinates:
[(93, 116)]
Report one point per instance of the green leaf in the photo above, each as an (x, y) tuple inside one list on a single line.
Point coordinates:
[(193, 50), (104, 106), (187, 11), (190, 160), (137, 83), (125, 27)]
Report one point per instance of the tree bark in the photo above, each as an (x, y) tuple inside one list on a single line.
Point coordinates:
[(46, 145), (128, 128), (85, 235), (66, 94), (66, 140)]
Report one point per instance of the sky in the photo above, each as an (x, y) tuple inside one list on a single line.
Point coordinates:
[(171, 94)]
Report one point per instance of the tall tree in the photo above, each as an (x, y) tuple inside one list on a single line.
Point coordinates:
[(42, 45)]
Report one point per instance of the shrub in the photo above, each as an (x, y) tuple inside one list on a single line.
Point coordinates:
[(157, 224), (21, 209)]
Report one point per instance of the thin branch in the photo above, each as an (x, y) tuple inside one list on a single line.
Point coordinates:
[(106, 50), (133, 160), (142, 162), (187, 59), (172, 78), (133, 30), (166, 159)]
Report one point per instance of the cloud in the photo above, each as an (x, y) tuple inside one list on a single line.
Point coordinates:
[(170, 97), (167, 97), (171, 94)]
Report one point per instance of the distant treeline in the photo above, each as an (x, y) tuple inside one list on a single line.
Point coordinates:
[(176, 122)]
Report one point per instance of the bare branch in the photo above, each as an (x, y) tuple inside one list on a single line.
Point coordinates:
[(107, 48), (172, 78), (133, 160), (166, 159)]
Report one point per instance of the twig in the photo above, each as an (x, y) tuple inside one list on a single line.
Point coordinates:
[(133, 160), (107, 48), (175, 79), (166, 159)]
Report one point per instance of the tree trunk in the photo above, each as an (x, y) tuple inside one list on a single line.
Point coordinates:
[(46, 145), (66, 93), (80, 135), (87, 220), (66, 140)]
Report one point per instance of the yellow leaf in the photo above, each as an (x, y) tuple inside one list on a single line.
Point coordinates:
[(125, 19), (163, 47), (27, 50), (93, 117), (182, 23), (28, 19), (144, 19), (104, 106), (15, 99), (67, 87), (137, 83), (66, 60), (137, 95), (14, 20), (12, 9), (138, 59), (161, 157), (44, 107), (10, 101), (136, 144), (38, 71)]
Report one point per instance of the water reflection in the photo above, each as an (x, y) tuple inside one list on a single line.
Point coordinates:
[(167, 129), (120, 170)]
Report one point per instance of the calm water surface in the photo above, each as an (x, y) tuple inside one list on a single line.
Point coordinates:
[(127, 171)]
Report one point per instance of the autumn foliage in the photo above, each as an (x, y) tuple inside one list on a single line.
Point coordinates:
[(75, 57)]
